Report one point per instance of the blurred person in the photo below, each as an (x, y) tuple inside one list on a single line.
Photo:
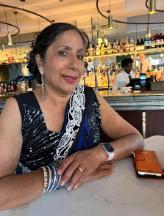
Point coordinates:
[(122, 79), (144, 65)]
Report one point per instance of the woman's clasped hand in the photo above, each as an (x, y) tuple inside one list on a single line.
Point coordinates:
[(83, 166)]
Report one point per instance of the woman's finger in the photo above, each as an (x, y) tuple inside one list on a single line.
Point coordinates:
[(64, 164), (68, 173), (75, 180)]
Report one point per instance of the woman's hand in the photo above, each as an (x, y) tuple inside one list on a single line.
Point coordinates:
[(103, 170), (81, 163)]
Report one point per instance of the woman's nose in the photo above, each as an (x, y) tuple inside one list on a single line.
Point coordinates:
[(74, 61)]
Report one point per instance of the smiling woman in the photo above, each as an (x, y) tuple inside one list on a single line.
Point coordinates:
[(54, 138), (63, 65)]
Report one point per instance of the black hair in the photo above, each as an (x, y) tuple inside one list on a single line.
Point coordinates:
[(45, 38), (126, 61)]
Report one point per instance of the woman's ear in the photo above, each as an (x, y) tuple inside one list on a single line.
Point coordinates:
[(39, 63)]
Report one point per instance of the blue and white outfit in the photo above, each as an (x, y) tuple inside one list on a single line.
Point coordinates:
[(80, 130)]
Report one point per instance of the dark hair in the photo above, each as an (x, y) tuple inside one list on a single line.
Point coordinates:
[(126, 61), (45, 38)]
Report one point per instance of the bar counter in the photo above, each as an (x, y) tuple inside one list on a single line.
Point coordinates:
[(148, 100), (144, 110)]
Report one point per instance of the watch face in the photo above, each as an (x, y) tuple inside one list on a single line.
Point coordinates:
[(108, 147)]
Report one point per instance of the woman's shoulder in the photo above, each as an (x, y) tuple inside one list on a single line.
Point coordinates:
[(27, 98), (10, 110), (89, 91), (24, 95)]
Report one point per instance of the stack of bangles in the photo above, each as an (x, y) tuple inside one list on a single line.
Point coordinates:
[(50, 178)]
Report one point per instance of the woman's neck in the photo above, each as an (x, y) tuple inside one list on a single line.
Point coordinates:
[(53, 97)]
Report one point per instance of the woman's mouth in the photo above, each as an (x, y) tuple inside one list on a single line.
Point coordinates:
[(70, 79)]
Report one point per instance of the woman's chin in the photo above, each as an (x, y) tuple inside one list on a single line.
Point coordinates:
[(67, 90)]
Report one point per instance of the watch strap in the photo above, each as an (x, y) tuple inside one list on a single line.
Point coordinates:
[(109, 150)]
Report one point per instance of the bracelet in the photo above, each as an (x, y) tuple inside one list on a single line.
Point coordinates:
[(51, 180), (45, 179)]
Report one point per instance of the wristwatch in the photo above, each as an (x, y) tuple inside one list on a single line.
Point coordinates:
[(109, 150)]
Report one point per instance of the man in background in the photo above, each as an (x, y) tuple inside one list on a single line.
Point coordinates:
[(122, 79)]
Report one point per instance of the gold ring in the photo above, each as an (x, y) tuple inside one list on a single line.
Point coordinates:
[(80, 169)]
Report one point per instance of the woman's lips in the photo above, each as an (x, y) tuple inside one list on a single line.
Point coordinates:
[(70, 79)]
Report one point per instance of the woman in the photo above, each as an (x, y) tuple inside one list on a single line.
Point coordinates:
[(54, 137)]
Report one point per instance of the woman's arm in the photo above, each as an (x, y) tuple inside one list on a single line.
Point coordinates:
[(85, 164), (126, 137), (14, 190)]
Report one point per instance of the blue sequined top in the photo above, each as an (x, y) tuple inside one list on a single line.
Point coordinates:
[(39, 143)]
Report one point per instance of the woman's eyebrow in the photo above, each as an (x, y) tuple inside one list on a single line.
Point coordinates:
[(65, 47), (69, 48)]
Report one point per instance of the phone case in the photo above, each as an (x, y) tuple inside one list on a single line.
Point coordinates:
[(147, 163)]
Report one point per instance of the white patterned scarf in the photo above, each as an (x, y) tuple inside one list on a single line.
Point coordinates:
[(75, 114)]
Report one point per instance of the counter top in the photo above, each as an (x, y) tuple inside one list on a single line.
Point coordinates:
[(121, 194), (105, 93), (148, 100)]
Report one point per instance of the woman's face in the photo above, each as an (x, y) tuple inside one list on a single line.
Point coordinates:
[(63, 65)]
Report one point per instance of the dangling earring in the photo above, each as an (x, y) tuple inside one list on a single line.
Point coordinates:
[(42, 86)]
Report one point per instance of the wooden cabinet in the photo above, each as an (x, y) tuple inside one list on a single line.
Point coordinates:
[(154, 122), (134, 118)]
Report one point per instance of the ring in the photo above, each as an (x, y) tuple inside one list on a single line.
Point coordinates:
[(80, 169)]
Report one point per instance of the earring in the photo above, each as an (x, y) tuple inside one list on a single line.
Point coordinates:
[(42, 86)]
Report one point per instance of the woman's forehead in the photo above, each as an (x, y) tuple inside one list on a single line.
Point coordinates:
[(69, 38), (66, 35)]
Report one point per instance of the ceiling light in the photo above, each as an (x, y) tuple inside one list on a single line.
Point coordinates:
[(152, 7), (10, 42), (110, 24)]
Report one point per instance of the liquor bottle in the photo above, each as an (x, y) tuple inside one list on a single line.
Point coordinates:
[(91, 49), (152, 41), (147, 42), (131, 44), (157, 41), (114, 46), (105, 46), (142, 41), (160, 40), (138, 41), (148, 73), (109, 48), (97, 51), (102, 49)]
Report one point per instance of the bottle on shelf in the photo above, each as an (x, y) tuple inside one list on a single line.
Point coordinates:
[(138, 41), (91, 49), (97, 50), (148, 73), (147, 42)]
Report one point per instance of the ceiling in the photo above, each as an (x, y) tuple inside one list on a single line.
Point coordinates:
[(77, 12)]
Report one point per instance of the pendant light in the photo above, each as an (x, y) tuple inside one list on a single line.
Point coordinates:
[(148, 27), (110, 22), (10, 42), (1, 37), (152, 7)]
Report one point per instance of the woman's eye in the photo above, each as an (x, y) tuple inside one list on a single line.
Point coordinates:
[(62, 53), (80, 57)]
